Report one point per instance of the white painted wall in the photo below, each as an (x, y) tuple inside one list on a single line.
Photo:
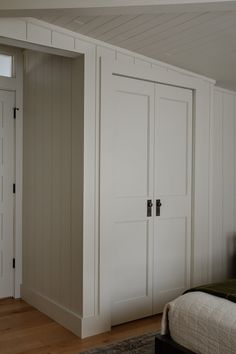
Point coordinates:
[(223, 181), (53, 179)]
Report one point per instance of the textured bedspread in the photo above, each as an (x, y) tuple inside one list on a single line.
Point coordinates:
[(201, 322)]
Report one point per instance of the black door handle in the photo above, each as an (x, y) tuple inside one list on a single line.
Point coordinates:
[(158, 207), (149, 207)]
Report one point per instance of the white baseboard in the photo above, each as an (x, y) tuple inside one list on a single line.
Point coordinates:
[(95, 325), (57, 312), (81, 327)]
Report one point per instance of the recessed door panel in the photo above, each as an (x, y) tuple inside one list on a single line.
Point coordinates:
[(131, 144), (171, 238), (130, 243), (172, 151)]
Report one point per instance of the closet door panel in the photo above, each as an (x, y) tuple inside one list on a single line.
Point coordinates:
[(126, 236), (131, 144), (132, 122), (174, 257), (173, 169), (172, 151)]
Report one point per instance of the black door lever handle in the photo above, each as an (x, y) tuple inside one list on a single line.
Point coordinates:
[(158, 207), (149, 207)]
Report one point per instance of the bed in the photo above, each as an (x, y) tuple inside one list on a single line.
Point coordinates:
[(203, 321)]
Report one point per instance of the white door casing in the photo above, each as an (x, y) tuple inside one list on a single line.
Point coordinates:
[(7, 100), (173, 172), (132, 176)]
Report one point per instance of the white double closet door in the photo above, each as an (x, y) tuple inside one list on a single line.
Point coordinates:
[(151, 149)]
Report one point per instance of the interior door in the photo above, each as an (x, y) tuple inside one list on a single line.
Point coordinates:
[(173, 169), (132, 122), (7, 100)]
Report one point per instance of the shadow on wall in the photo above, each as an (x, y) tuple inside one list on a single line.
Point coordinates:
[(231, 256)]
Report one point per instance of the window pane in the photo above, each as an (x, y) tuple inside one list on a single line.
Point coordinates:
[(5, 65)]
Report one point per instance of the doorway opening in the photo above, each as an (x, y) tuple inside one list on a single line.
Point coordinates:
[(41, 216)]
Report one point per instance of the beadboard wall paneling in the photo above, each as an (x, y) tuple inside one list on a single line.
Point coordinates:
[(223, 197), (53, 178), (77, 191)]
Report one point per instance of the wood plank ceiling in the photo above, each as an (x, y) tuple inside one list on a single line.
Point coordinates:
[(203, 42)]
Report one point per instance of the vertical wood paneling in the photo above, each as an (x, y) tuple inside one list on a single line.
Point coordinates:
[(46, 182), (228, 179), (201, 155), (38, 167), (53, 151), (65, 166), (217, 190), (77, 171), (223, 185), (234, 241)]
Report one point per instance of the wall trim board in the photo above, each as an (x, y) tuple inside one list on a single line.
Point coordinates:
[(60, 314), (126, 52), (211, 206), (153, 74), (82, 327), (40, 32), (223, 90)]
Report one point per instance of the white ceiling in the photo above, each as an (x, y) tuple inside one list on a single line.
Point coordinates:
[(203, 42), (198, 35)]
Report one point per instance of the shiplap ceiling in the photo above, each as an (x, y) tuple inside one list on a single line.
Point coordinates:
[(203, 42)]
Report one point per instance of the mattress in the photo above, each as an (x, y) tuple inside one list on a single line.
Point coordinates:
[(202, 323)]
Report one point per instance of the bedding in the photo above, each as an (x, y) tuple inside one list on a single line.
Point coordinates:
[(202, 323), (226, 290)]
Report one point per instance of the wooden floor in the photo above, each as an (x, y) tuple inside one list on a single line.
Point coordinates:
[(23, 329)]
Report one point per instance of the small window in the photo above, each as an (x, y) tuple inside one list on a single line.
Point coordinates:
[(6, 65)]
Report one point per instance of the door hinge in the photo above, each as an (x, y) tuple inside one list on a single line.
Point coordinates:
[(14, 188), (14, 263), (14, 111)]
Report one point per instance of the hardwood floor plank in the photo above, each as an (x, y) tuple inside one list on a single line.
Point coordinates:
[(25, 330)]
